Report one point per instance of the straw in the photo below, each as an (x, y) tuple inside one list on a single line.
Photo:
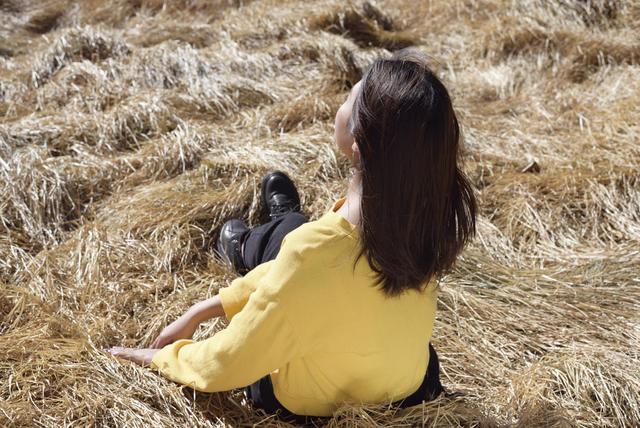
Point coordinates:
[(130, 131)]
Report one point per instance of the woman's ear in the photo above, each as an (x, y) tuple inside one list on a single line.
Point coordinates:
[(356, 160)]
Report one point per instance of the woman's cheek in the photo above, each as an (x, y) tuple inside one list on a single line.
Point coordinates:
[(342, 137)]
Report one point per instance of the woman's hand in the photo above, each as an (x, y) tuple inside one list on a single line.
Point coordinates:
[(139, 356), (182, 328)]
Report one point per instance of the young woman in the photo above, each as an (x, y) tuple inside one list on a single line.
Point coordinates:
[(341, 309)]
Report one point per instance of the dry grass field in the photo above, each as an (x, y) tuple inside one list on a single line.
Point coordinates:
[(131, 129)]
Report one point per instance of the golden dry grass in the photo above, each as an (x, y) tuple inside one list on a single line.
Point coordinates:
[(130, 130)]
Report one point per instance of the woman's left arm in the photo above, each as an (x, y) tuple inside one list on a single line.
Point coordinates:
[(229, 301), (262, 337), (258, 340)]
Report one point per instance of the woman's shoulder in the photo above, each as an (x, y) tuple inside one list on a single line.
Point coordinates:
[(317, 237)]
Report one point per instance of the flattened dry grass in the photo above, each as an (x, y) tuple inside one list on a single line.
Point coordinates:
[(131, 130)]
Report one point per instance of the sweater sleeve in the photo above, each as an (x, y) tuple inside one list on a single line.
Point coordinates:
[(258, 340), (235, 296)]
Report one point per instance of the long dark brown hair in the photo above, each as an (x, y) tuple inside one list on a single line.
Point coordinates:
[(418, 209)]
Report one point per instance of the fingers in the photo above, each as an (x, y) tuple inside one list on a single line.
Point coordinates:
[(141, 356), (115, 350), (120, 352), (130, 354)]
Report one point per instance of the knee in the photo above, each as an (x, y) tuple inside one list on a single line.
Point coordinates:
[(295, 218)]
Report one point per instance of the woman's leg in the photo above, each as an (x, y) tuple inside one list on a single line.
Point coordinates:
[(262, 243)]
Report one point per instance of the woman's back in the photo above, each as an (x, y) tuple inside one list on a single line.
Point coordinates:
[(362, 345)]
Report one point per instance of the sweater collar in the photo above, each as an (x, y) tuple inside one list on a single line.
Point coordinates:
[(335, 218)]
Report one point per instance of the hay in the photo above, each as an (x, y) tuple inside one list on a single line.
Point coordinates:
[(130, 131)]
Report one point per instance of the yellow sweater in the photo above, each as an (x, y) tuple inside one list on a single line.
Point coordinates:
[(324, 333)]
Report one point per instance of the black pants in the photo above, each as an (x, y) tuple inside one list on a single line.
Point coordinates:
[(262, 244)]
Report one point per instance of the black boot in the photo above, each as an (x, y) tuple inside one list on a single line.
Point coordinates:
[(279, 194), (230, 244)]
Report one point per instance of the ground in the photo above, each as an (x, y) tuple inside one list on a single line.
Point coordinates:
[(130, 130)]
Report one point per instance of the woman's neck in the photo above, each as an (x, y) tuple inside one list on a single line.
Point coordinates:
[(350, 209)]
